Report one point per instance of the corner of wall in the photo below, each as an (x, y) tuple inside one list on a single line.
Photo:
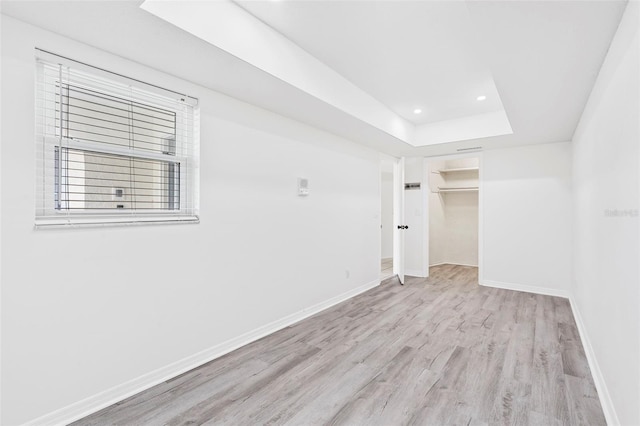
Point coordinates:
[(603, 175), (601, 386), (546, 291)]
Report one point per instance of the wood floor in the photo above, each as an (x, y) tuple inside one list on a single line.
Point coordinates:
[(437, 351), (386, 268)]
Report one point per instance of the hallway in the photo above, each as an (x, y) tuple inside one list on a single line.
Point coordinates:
[(386, 269)]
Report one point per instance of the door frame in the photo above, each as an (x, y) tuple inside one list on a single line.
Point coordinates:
[(426, 179), (398, 219), (398, 195), (390, 161)]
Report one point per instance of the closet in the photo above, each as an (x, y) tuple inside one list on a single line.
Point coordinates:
[(453, 211)]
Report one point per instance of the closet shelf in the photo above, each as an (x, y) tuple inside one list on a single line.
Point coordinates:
[(462, 169), (458, 189)]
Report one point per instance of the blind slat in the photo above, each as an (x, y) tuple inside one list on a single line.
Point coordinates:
[(103, 145)]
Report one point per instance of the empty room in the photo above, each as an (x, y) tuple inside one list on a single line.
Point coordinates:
[(311, 212)]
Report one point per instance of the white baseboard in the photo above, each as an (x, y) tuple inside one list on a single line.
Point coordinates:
[(526, 288), (603, 393), (453, 263), (109, 397), (104, 399), (414, 273)]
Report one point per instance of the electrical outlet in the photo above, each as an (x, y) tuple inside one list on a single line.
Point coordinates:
[(347, 273)]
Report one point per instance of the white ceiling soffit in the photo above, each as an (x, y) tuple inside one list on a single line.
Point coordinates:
[(232, 29), (111, 26), (544, 57), (407, 54), (384, 96)]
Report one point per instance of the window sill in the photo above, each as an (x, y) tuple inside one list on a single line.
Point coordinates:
[(102, 221)]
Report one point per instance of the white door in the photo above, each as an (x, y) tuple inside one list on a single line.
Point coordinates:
[(398, 219)]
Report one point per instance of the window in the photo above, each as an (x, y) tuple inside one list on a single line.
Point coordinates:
[(110, 151)]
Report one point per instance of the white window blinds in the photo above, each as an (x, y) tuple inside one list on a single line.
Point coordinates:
[(109, 151)]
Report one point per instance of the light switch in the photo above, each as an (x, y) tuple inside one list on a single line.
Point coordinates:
[(303, 187)]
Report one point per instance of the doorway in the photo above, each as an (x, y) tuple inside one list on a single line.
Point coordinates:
[(386, 219), (454, 210)]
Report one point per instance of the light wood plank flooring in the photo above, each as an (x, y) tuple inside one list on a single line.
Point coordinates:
[(437, 351), (386, 268)]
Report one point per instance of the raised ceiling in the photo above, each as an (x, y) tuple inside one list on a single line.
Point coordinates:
[(407, 54), (543, 57)]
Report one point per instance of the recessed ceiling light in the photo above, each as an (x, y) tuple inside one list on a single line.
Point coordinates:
[(481, 98), (417, 111)]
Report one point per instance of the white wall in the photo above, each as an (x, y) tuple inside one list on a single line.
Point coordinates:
[(461, 215), (453, 216), (141, 298), (436, 212), (386, 200), (606, 255), (527, 217)]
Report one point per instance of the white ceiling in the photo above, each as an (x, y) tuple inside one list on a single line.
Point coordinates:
[(407, 54), (544, 57)]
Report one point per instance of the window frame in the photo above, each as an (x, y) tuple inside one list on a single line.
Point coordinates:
[(184, 153)]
